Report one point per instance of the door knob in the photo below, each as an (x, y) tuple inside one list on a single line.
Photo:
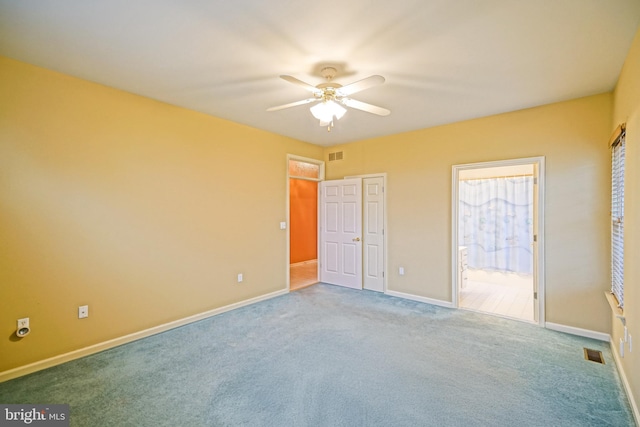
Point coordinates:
[(356, 239)]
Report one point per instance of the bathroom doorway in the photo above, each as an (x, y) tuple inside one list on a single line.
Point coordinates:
[(496, 238)]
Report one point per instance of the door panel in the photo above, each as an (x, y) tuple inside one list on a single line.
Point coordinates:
[(350, 260), (351, 223), (331, 257), (373, 238), (372, 266), (331, 215), (340, 232)]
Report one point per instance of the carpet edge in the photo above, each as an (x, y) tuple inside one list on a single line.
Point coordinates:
[(418, 298), (625, 383), (105, 345)]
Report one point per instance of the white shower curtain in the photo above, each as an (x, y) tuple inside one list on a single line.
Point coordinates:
[(496, 223)]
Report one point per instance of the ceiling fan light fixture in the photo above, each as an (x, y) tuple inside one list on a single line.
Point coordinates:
[(326, 94), (327, 110)]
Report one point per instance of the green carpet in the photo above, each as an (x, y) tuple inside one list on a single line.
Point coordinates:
[(328, 356)]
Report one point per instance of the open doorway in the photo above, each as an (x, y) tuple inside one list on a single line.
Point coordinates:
[(496, 228), (303, 241), (303, 176)]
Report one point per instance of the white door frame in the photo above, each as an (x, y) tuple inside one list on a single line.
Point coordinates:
[(288, 208), (382, 175), (538, 245)]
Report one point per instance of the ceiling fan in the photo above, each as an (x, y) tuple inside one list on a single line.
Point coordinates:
[(331, 96)]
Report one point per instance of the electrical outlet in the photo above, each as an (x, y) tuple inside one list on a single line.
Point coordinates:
[(23, 323), (83, 311), (239, 277), (621, 348), (23, 327), (401, 271)]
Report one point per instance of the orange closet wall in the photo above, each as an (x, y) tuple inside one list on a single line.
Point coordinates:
[(303, 217)]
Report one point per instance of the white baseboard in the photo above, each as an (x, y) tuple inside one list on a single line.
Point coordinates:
[(425, 300), (92, 349), (601, 336), (309, 261), (625, 382)]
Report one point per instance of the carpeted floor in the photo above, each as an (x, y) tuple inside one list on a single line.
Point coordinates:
[(328, 356)]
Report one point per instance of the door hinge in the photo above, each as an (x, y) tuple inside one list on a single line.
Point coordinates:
[(535, 181), (535, 237), (383, 274), (535, 295)]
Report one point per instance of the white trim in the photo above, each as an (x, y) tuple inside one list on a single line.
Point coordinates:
[(601, 336), (417, 298), (615, 308), (96, 348), (625, 382), (307, 262), (539, 164)]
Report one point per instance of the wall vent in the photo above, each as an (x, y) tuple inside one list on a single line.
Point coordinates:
[(593, 355), (337, 155)]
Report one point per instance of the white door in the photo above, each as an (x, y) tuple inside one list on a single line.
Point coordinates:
[(373, 233), (340, 232)]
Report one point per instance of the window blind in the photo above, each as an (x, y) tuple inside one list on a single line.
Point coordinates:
[(617, 217)]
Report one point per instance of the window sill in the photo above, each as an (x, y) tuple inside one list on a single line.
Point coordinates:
[(613, 303)]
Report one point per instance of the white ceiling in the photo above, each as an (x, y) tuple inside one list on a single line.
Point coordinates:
[(443, 60)]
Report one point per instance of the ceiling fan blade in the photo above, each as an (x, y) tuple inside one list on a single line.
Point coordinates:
[(291, 104), (360, 85), (302, 84), (359, 105)]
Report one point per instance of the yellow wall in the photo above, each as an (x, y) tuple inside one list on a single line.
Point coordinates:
[(570, 135), (627, 109), (144, 211)]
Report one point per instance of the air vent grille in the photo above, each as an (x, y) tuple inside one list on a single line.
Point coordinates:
[(593, 355), (336, 155)]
